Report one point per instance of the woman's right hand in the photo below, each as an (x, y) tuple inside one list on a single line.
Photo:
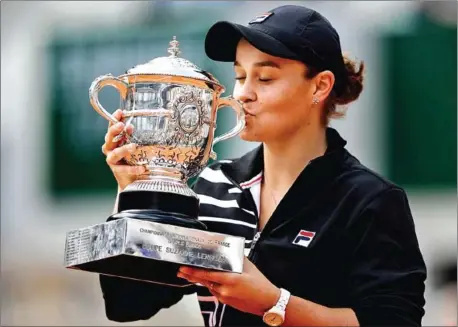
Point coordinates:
[(115, 152)]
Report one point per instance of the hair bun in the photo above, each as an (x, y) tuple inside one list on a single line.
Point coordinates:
[(354, 82)]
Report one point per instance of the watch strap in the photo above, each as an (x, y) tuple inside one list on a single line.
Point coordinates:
[(283, 300)]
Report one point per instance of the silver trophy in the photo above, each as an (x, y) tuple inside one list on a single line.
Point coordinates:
[(172, 105)]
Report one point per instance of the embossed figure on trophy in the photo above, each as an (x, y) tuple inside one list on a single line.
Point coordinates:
[(191, 154), (189, 118), (142, 157), (133, 157), (178, 155)]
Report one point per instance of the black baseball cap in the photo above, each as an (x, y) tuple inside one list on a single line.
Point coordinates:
[(292, 32)]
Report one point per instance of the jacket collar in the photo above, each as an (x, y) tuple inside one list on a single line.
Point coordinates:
[(251, 164), (314, 180)]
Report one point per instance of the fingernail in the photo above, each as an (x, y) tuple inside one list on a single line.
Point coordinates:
[(119, 125), (132, 146), (180, 275)]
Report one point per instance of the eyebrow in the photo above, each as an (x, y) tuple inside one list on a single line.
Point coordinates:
[(266, 63)]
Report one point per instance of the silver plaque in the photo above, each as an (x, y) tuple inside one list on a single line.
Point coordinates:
[(88, 248)]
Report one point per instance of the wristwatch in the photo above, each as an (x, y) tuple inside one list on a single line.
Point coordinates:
[(276, 315)]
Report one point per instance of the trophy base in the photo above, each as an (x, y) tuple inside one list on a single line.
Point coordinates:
[(136, 268), (163, 185), (165, 202), (152, 235), (150, 251)]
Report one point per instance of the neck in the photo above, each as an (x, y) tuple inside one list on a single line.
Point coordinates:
[(285, 159)]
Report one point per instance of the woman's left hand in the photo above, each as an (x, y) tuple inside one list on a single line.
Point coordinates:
[(249, 291)]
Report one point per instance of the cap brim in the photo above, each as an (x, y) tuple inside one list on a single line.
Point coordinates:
[(223, 37)]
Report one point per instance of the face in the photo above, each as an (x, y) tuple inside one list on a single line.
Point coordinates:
[(276, 95)]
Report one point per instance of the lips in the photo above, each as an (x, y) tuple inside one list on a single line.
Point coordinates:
[(248, 112)]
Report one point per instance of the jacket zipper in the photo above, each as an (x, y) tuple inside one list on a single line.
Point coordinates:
[(255, 240), (259, 234), (250, 198), (252, 255)]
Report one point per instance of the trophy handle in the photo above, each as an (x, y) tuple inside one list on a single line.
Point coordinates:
[(240, 125), (98, 84)]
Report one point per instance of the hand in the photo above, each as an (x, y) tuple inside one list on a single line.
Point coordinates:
[(249, 291), (116, 151)]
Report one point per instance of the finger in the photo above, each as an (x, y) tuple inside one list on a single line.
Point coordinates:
[(205, 274), (112, 132), (193, 279), (214, 293), (120, 137), (118, 115), (212, 286), (128, 170), (130, 129), (115, 156), (218, 290)]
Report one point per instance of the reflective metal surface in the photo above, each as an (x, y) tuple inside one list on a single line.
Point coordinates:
[(154, 241), (172, 105), (185, 246), (174, 65)]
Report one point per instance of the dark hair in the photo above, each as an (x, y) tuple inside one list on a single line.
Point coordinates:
[(353, 88)]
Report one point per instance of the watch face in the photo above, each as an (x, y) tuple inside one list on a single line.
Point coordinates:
[(273, 319)]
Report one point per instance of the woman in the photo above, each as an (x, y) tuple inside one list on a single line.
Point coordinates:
[(329, 242)]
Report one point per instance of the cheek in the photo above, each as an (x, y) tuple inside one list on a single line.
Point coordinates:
[(285, 95), (285, 108), (282, 110), (283, 105)]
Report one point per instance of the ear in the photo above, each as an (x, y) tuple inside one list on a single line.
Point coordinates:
[(324, 82)]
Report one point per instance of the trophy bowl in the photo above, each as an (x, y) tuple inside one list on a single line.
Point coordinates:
[(172, 106)]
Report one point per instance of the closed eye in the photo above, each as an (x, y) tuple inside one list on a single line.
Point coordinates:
[(264, 80)]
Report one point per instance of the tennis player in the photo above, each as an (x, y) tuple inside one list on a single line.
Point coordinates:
[(329, 242)]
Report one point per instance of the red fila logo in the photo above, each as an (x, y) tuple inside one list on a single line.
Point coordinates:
[(304, 238)]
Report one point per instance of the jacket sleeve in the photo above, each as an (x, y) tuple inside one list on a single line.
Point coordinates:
[(387, 270), (130, 300)]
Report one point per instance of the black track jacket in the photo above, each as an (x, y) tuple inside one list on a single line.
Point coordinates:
[(341, 237)]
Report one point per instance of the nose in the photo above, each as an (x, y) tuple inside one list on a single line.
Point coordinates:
[(244, 92)]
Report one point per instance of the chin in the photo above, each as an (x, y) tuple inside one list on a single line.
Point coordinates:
[(248, 135)]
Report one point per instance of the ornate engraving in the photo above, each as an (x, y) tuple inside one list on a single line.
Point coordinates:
[(173, 122), (189, 118), (188, 112), (176, 142)]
